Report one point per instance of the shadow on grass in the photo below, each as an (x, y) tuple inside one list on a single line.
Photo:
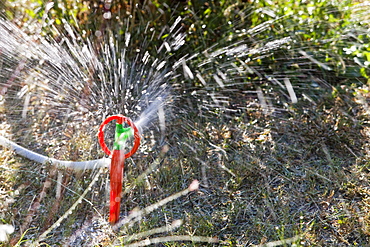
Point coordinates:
[(301, 174)]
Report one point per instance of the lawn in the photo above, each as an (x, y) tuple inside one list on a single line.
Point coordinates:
[(268, 113)]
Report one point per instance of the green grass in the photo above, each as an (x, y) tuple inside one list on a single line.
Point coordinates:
[(304, 173), (297, 177)]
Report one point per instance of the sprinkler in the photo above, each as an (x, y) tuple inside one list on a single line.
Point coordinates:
[(118, 158)]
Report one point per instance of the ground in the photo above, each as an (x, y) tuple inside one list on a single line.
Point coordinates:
[(294, 174)]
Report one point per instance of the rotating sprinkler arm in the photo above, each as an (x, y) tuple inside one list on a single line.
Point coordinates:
[(121, 136), (77, 165)]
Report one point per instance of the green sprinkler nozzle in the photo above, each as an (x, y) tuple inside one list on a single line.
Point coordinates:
[(121, 135)]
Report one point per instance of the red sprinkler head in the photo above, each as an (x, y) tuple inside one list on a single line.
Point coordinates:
[(118, 159)]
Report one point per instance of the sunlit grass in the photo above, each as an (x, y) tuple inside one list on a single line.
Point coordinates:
[(267, 176)]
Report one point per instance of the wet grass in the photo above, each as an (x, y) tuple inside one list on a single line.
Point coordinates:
[(300, 175), (283, 176), (268, 177)]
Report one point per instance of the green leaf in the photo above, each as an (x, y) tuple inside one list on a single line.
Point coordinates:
[(207, 11)]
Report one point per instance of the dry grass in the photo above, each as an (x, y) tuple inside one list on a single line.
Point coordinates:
[(265, 176), (268, 178), (300, 176), (296, 177)]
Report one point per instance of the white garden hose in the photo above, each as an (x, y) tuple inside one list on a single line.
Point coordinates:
[(78, 165)]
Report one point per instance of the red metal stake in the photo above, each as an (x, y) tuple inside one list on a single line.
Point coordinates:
[(116, 180), (118, 159)]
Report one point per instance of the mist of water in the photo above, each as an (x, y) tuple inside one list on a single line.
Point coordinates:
[(75, 84), (71, 84), (57, 87)]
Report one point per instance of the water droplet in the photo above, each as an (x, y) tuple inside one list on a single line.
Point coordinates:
[(107, 15), (98, 33)]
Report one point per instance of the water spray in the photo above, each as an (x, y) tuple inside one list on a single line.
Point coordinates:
[(118, 158)]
